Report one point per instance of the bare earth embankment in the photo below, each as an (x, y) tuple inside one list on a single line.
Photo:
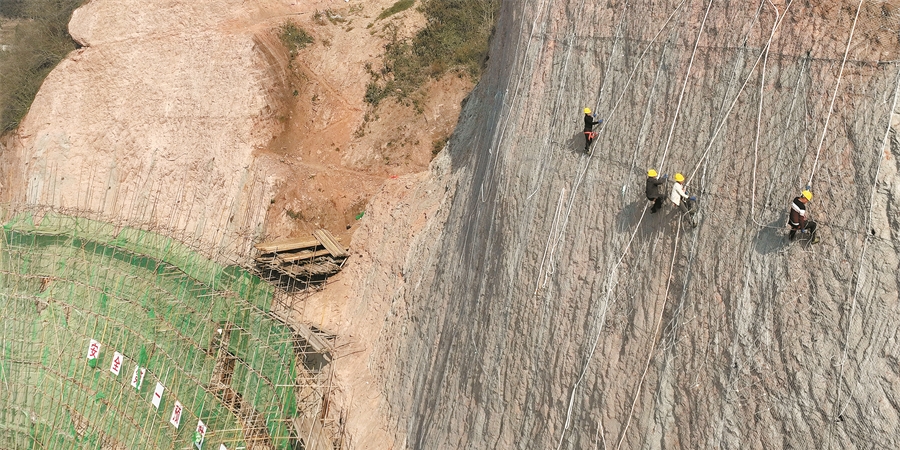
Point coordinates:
[(192, 118)]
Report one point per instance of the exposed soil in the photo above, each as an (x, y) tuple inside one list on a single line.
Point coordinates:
[(335, 154), (226, 123), (336, 150)]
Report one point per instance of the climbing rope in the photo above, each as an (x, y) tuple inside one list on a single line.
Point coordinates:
[(684, 85), (547, 248), (884, 143), (609, 289), (733, 103), (653, 340), (561, 90), (581, 173), (516, 89), (636, 66), (762, 84), (834, 94)]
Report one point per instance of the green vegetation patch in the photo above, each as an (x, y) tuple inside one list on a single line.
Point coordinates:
[(39, 42), (455, 39), (400, 6), (162, 307), (293, 37)]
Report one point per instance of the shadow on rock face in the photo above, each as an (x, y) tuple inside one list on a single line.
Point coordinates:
[(630, 214), (771, 238), (576, 143)]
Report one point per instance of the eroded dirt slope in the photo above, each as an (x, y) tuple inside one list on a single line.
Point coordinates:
[(193, 117)]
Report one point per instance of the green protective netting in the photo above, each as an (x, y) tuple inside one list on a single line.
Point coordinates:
[(66, 280)]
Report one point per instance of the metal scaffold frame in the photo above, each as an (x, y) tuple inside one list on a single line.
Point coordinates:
[(116, 336)]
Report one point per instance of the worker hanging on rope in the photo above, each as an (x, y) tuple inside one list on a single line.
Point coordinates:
[(652, 190), (589, 133), (683, 201), (799, 217)]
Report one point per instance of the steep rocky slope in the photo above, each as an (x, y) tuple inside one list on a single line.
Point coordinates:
[(554, 311), (144, 124), (519, 294)]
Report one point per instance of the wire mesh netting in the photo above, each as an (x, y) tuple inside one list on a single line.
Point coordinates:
[(200, 329), (643, 331)]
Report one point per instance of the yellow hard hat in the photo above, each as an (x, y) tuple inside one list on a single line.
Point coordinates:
[(587, 110), (679, 177), (807, 195), (652, 173)]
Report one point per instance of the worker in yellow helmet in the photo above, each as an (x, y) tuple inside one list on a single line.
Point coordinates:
[(799, 217), (679, 191), (589, 133), (682, 200), (652, 190)]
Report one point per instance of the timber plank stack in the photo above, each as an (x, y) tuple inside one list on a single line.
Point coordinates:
[(306, 260)]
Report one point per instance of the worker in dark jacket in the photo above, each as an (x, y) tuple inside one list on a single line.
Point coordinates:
[(652, 191), (799, 217), (589, 133)]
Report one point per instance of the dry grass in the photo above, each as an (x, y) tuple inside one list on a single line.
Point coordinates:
[(454, 39), (35, 45)]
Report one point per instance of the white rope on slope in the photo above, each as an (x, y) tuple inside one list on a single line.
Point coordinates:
[(516, 90), (559, 93), (762, 85), (834, 95), (579, 178), (777, 157), (612, 51), (590, 356), (559, 230), (684, 85), (725, 119), (862, 256), (550, 247), (640, 60), (541, 284), (612, 271), (653, 340)]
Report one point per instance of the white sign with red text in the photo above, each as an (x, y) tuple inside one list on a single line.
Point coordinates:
[(116, 365), (157, 394), (138, 377), (93, 350), (201, 431), (176, 414)]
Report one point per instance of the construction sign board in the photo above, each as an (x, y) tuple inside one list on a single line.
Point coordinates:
[(200, 434), (137, 379), (157, 394), (93, 350), (176, 414), (116, 365)]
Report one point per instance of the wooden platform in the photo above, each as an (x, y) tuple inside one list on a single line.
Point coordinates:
[(316, 342), (286, 245), (295, 245), (329, 242), (308, 261)]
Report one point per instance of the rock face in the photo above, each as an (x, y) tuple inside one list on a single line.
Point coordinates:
[(155, 119), (554, 311)]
